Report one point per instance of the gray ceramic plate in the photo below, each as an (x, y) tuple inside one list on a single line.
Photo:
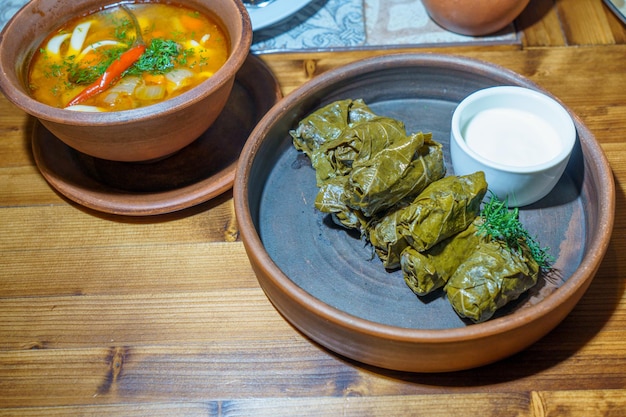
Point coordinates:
[(273, 12), (327, 281)]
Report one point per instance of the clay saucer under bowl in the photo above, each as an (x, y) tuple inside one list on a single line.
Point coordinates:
[(326, 281), (195, 174)]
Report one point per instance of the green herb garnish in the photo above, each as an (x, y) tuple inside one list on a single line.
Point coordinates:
[(503, 224), (158, 58), (161, 56), (87, 72), (124, 29)]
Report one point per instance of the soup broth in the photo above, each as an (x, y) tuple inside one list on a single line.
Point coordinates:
[(127, 56)]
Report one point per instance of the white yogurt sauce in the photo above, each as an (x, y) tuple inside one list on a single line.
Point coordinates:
[(512, 137)]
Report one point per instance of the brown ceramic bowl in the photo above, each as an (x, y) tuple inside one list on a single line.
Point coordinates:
[(474, 17), (326, 281), (141, 134)]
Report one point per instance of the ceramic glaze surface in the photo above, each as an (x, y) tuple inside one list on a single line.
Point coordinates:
[(520, 138), (474, 17)]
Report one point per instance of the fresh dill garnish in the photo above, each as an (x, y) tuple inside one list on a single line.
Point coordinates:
[(124, 30), (54, 71), (185, 54), (503, 224), (159, 57), (83, 75), (203, 61), (178, 35), (87, 72)]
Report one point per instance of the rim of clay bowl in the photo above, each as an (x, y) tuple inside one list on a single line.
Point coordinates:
[(510, 91)]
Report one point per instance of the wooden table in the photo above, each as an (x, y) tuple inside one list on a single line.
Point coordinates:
[(163, 316)]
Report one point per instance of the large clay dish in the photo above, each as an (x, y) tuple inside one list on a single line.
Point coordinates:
[(327, 283)]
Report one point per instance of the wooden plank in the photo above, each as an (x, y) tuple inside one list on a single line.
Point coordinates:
[(15, 132), (21, 228), (298, 68), (222, 339), (547, 66), (618, 28), (585, 23), (118, 374), (155, 409), (540, 25), (413, 405), (273, 368), (581, 403), (511, 404), (24, 186), (143, 319), (167, 268)]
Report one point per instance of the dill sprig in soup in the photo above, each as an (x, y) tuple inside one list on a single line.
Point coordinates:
[(127, 56)]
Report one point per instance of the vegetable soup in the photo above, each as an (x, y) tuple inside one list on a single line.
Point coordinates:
[(126, 56)]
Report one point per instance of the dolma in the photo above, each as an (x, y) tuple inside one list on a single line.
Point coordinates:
[(335, 196), (360, 141), (446, 207), (399, 171), (331, 198), (328, 123), (427, 271), (489, 278)]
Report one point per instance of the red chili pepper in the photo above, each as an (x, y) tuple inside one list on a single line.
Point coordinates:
[(111, 74)]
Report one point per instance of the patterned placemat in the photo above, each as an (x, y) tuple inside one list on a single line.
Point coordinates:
[(320, 25), (346, 24), (406, 22), (349, 24)]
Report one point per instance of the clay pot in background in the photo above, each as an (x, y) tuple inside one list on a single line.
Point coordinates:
[(474, 17)]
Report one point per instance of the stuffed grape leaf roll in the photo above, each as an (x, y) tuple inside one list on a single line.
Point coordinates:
[(489, 278), (328, 123), (357, 143), (332, 198), (427, 271), (446, 207), (399, 171), (365, 164), (337, 195)]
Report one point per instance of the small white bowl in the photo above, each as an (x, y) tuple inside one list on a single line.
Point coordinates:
[(520, 138)]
